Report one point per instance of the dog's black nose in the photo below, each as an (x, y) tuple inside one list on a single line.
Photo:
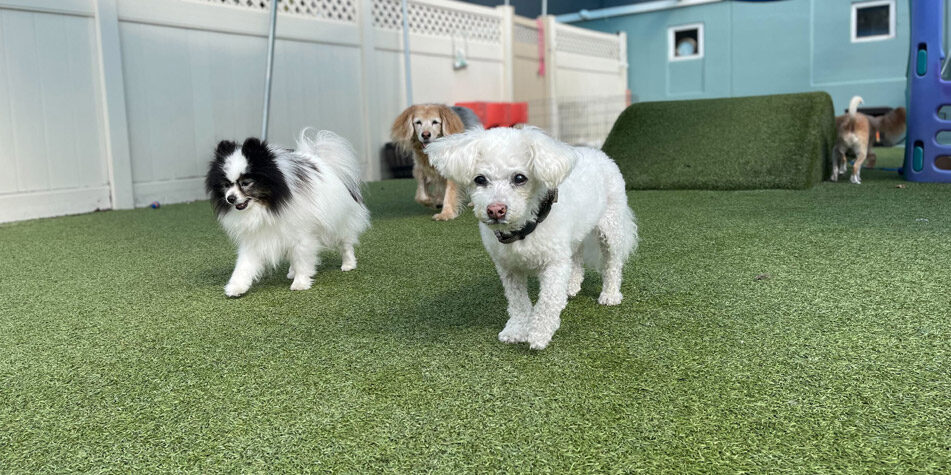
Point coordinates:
[(231, 199)]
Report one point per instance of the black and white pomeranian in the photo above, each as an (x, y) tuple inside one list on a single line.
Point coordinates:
[(278, 204)]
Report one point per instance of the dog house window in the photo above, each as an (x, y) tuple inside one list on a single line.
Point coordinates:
[(685, 42), (873, 21)]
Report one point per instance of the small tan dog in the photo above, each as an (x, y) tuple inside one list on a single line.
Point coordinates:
[(415, 128), (855, 132)]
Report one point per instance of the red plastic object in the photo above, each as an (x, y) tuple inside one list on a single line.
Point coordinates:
[(518, 113), (498, 114), (477, 107)]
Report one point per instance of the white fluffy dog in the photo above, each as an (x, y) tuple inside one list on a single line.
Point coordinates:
[(281, 204), (540, 203)]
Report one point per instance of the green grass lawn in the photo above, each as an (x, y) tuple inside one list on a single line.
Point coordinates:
[(119, 351)]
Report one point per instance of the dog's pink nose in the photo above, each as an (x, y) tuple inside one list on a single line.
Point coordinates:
[(427, 135), (496, 210)]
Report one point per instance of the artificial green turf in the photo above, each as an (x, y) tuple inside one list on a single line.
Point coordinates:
[(743, 143), (119, 351)]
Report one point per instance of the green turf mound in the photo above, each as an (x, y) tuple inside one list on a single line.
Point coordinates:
[(780, 141)]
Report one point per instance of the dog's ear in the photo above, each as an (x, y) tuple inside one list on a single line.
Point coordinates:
[(402, 131), (551, 160), (454, 155), (215, 176), (224, 149), (451, 123)]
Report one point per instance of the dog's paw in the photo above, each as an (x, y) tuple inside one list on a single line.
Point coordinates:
[(444, 216), (301, 283), (537, 341), (511, 334), (834, 177), (610, 298), (856, 180), (538, 338), (290, 274), (235, 289), (574, 288), (348, 266)]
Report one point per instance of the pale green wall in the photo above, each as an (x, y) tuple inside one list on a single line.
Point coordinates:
[(765, 48)]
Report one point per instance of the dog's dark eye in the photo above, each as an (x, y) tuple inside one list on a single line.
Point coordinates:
[(419, 122), (519, 179), (481, 180), (435, 122), (245, 183)]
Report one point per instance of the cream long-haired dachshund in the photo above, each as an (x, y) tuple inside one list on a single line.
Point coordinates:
[(415, 128)]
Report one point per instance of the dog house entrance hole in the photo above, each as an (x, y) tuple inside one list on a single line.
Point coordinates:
[(685, 42), (943, 162)]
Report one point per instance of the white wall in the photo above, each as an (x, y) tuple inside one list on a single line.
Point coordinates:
[(118, 103), (436, 26), (584, 86), (530, 86), (52, 157), (194, 78), (590, 83)]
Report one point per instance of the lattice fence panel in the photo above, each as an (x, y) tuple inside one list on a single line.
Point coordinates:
[(437, 21), (335, 10), (525, 34), (581, 120), (571, 42)]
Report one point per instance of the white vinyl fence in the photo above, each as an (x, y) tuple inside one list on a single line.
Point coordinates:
[(584, 87), (112, 104)]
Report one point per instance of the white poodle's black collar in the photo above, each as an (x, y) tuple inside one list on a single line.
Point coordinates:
[(543, 210)]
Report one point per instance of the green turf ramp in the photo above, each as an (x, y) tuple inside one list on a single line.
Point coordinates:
[(779, 141)]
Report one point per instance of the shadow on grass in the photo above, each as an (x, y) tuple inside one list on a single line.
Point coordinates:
[(275, 277), (473, 304), (477, 304), (393, 199)]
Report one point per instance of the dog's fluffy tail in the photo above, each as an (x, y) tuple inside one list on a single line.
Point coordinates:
[(337, 153), (854, 105), (469, 118)]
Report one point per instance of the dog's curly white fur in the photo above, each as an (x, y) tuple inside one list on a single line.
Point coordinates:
[(509, 173), (281, 204)]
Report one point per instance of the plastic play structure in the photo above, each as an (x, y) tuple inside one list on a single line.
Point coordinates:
[(927, 160)]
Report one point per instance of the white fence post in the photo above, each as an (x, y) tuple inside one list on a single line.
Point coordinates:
[(370, 96), (269, 72), (507, 17), (551, 72), (623, 64), (407, 51), (112, 86)]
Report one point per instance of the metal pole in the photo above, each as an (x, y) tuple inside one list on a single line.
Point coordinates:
[(544, 7), (270, 68), (406, 62)]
